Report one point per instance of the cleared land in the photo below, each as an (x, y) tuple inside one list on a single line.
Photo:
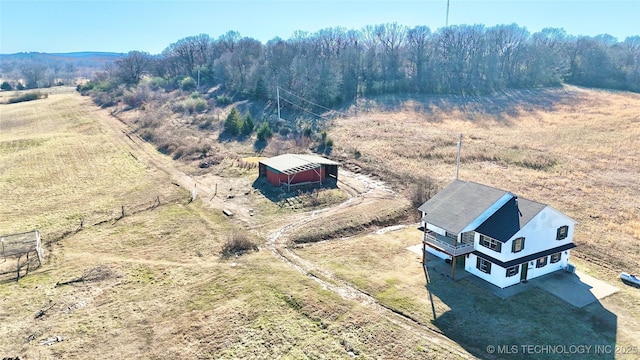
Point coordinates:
[(156, 286), (154, 283), (575, 149)]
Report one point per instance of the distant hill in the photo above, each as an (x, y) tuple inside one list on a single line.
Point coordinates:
[(85, 56), (55, 67)]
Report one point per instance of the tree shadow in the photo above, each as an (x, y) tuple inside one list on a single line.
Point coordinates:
[(531, 323), (498, 106), (259, 146)]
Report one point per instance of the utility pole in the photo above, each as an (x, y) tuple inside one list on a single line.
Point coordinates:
[(278, 96), (447, 21), (458, 158)]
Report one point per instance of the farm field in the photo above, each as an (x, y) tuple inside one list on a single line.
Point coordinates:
[(154, 283)]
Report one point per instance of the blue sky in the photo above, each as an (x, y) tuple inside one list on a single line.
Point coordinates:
[(151, 25)]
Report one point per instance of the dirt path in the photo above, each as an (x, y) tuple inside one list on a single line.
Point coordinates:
[(364, 192)]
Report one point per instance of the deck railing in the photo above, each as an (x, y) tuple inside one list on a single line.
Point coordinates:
[(445, 244)]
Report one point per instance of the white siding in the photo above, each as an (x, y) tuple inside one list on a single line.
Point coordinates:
[(498, 276), (534, 272), (470, 266), (539, 234), (436, 229)]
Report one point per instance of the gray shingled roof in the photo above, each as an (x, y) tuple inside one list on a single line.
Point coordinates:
[(293, 163), (458, 204), (461, 202)]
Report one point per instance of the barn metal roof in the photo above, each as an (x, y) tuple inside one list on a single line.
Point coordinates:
[(294, 163)]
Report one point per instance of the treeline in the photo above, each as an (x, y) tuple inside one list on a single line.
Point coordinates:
[(40, 70), (336, 65)]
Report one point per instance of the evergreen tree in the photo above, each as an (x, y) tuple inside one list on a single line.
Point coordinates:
[(264, 132), (247, 124), (233, 124)]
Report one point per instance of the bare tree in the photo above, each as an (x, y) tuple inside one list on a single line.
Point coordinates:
[(132, 67)]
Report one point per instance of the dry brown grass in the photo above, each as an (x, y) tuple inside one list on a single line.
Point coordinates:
[(575, 149), (155, 284), (59, 165), (381, 265)]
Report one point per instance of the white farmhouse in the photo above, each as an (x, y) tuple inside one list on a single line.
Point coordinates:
[(501, 238)]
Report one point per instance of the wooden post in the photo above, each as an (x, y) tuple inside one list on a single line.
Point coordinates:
[(453, 261), (18, 269), (424, 257)]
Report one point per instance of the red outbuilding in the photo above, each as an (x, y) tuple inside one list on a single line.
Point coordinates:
[(297, 169)]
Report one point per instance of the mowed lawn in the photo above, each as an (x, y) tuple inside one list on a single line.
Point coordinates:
[(60, 164), (155, 285)]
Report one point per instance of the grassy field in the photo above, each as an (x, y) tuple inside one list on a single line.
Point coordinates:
[(59, 164), (155, 285), (394, 276), (577, 150)]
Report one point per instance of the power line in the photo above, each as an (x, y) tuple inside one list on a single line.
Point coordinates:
[(311, 102), (303, 109)]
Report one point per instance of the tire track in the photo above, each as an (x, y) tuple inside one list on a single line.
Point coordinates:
[(276, 240)]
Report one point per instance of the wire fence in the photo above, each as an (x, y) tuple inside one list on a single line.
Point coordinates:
[(20, 253)]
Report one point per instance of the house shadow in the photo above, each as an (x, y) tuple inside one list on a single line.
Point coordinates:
[(556, 316)]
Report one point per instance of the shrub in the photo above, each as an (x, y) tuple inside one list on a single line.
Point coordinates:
[(237, 244), (157, 83), (264, 132), (27, 97), (423, 190), (223, 100), (188, 84), (205, 123), (134, 98), (19, 86), (6, 86), (191, 105), (177, 154)]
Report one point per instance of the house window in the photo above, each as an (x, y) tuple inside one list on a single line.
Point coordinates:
[(467, 238), (518, 245), (556, 257), (483, 265), (541, 262), (490, 243), (562, 233), (512, 271)]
